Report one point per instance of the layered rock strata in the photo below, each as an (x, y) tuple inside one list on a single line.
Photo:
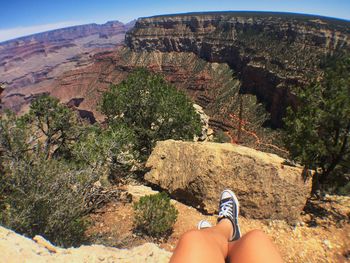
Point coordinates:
[(270, 52), (1, 90), (196, 173), (32, 59)]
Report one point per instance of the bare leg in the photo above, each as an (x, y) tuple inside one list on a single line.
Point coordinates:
[(211, 245), (206, 245), (253, 247)]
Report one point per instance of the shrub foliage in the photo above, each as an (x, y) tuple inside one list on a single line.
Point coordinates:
[(50, 160), (317, 133), (155, 215), (152, 108), (47, 197)]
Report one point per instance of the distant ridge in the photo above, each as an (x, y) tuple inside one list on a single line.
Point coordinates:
[(256, 13), (42, 56), (86, 29)]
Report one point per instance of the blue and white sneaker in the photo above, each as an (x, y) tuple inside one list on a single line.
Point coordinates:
[(203, 224), (229, 208)]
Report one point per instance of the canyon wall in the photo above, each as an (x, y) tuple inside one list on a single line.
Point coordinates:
[(32, 59), (242, 68), (271, 53)]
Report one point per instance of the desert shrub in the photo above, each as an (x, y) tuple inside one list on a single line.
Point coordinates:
[(50, 161), (221, 137), (152, 108), (344, 190), (46, 197), (109, 151), (155, 215), (56, 124), (40, 194)]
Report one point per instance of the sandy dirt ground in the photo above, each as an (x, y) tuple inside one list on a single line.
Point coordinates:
[(321, 235)]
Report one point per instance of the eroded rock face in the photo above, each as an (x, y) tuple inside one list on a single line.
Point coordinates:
[(201, 80), (1, 90), (33, 59), (213, 86), (16, 248), (271, 52), (196, 173)]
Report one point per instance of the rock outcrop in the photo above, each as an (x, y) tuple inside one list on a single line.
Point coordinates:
[(270, 52), (196, 173), (16, 248)]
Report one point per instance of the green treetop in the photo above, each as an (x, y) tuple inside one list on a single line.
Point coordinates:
[(317, 134), (152, 108)]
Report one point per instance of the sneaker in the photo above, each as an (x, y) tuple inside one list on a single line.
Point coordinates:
[(203, 224), (229, 208)]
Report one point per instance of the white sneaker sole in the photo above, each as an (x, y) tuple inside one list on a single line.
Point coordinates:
[(203, 224)]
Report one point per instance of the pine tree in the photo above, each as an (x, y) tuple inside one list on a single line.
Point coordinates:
[(317, 133)]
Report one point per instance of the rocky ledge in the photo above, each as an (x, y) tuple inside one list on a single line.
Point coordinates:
[(270, 52), (16, 248), (196, 173)]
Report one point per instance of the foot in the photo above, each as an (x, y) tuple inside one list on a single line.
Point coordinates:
[(229, 209), (203, 224)]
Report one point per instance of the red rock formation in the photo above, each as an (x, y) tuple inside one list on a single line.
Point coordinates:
[(1, 90), (32, 59), (210, 85)]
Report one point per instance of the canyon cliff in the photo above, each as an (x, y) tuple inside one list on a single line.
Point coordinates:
[(31, 59), (271, 53), (243, 68)]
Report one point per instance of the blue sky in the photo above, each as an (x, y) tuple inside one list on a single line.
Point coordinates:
[(23, 17)]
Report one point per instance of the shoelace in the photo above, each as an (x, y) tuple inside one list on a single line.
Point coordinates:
[(226, 209)]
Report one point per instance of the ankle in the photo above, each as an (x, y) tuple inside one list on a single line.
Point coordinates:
[(227, 227)]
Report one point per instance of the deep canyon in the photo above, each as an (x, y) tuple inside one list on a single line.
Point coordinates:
[(243, 68)]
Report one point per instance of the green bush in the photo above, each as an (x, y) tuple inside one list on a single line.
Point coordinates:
[(155, 215), (48, 198), (221, 137), (317, 133), (344, 190), (154, 109), (49, 162)]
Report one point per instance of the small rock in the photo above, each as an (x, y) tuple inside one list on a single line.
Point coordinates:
[(138, 191), (46, 244), (97, 184), (327, 243)]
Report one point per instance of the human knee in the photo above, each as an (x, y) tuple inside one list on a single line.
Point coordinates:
[(191, 236), (256, 235)]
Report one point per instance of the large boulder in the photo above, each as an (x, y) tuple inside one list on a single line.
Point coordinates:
[(197, 172)]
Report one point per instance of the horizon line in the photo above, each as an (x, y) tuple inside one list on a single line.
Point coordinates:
[(250, 11), (164, 15)]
